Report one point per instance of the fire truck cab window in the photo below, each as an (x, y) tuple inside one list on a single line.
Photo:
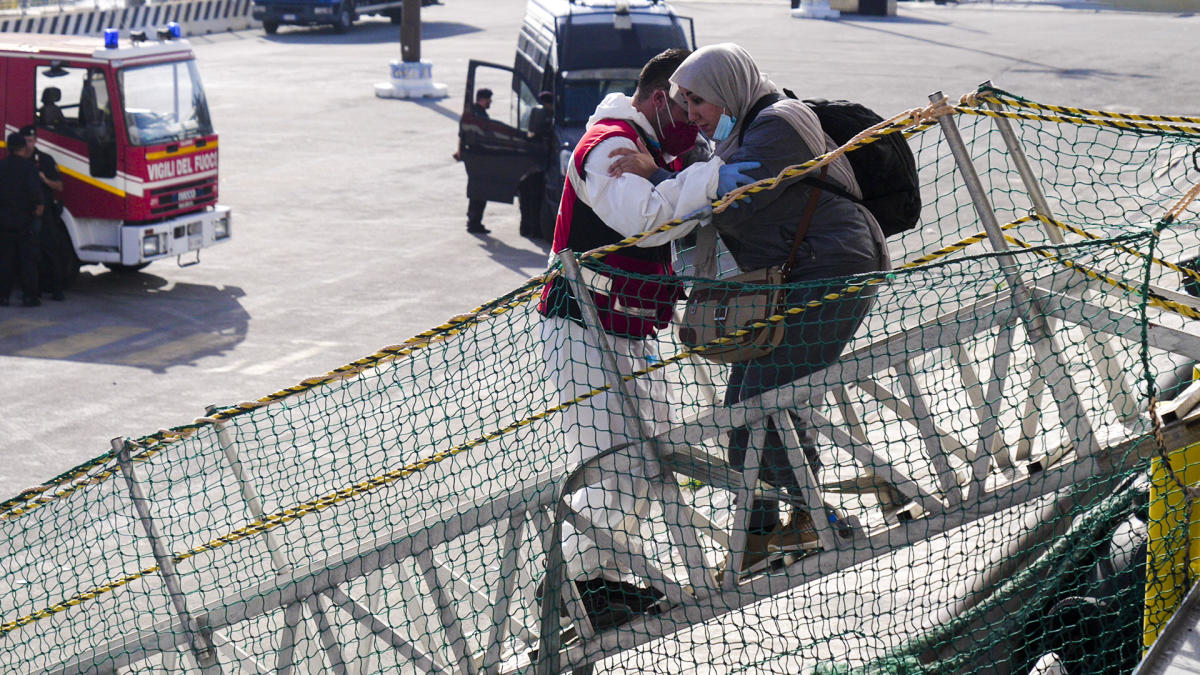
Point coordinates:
[(164, 103), (57, 103)]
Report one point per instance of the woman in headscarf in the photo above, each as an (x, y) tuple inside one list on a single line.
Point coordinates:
[(720, 85)]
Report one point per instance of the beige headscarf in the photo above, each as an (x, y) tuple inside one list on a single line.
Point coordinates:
[(725, 75)]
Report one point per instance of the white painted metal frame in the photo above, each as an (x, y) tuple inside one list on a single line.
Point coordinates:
[(539, 503)]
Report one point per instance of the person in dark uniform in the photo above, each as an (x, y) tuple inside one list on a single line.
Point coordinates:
[(48, 228), (533, 184), (20, 207), (475, 205)]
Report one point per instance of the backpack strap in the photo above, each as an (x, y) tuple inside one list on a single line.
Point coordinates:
[(759, 105), (829, 187), (812, 181)]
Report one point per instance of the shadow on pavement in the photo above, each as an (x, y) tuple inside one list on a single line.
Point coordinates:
[(147, 322), (521, 260), (452, 112)]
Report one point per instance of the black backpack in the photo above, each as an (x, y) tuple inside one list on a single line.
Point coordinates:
[(885, 169)]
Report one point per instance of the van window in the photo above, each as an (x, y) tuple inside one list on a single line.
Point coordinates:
[(591, 44), (526, 102), (505, 106), (580, 97)]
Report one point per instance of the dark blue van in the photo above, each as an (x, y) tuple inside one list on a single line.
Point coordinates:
[(579, 51)]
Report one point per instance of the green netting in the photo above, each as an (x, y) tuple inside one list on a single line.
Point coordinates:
[(971, 494)]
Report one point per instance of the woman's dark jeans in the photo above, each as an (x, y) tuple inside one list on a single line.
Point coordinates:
[(814, 341)]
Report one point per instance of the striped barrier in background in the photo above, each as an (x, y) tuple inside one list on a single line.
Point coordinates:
[(197, 17)]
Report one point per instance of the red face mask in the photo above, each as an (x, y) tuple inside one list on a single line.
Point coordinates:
[(679, 138), (675, 138)]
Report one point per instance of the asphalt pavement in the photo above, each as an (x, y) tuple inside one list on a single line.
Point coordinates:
[(349, 212)]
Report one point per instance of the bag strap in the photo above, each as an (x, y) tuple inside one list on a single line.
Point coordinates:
[(802, 231)]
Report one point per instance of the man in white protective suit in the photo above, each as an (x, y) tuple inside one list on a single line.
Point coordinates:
[(635, 295)]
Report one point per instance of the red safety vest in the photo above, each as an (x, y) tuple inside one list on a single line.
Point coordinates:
[(629, 306)]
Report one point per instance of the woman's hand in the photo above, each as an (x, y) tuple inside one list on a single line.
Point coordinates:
[(627, 160)]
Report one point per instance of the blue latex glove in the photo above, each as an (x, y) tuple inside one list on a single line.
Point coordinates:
[(731, 177)]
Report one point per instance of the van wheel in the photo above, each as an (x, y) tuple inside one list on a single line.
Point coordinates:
[(396, 17), (269, 27), (126, 269), (345, 19)]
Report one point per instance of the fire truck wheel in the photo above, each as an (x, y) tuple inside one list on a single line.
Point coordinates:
[(126, 269), (269, 27)]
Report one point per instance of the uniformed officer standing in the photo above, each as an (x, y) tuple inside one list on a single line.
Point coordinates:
[(20, 207), (48, 233)]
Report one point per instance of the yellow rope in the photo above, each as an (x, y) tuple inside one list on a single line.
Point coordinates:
[(1177, 210), (1152, 298), (1194, 274), (974, 99), (1102, 122)]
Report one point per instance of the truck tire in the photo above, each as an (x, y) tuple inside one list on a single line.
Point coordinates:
[(269, 27), (345, 19), (396, 16)]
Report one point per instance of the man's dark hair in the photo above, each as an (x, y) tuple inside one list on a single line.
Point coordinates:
[(28, 130), (657, 72), (16, 142), (546, 98), (483, 93)]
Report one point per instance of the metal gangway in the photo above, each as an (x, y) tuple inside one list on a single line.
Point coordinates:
[(1062, 319)]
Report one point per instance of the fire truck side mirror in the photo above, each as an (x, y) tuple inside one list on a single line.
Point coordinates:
[(55, 70)]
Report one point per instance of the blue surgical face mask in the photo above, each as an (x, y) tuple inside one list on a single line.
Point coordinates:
[(724, 127)]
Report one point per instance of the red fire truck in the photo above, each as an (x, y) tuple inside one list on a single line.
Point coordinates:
[(130, 130)]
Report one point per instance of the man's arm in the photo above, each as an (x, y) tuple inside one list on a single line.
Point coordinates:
[(631, 204), (51, 176)]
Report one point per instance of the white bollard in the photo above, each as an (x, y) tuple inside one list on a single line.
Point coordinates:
[(411, 80), (815, 9)]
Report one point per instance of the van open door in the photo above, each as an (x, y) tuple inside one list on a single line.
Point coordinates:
[(497, 148)]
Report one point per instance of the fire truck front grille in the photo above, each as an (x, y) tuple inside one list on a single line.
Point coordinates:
[(183, 196)]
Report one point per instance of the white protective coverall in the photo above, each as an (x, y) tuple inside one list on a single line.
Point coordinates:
[(629, 204)]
